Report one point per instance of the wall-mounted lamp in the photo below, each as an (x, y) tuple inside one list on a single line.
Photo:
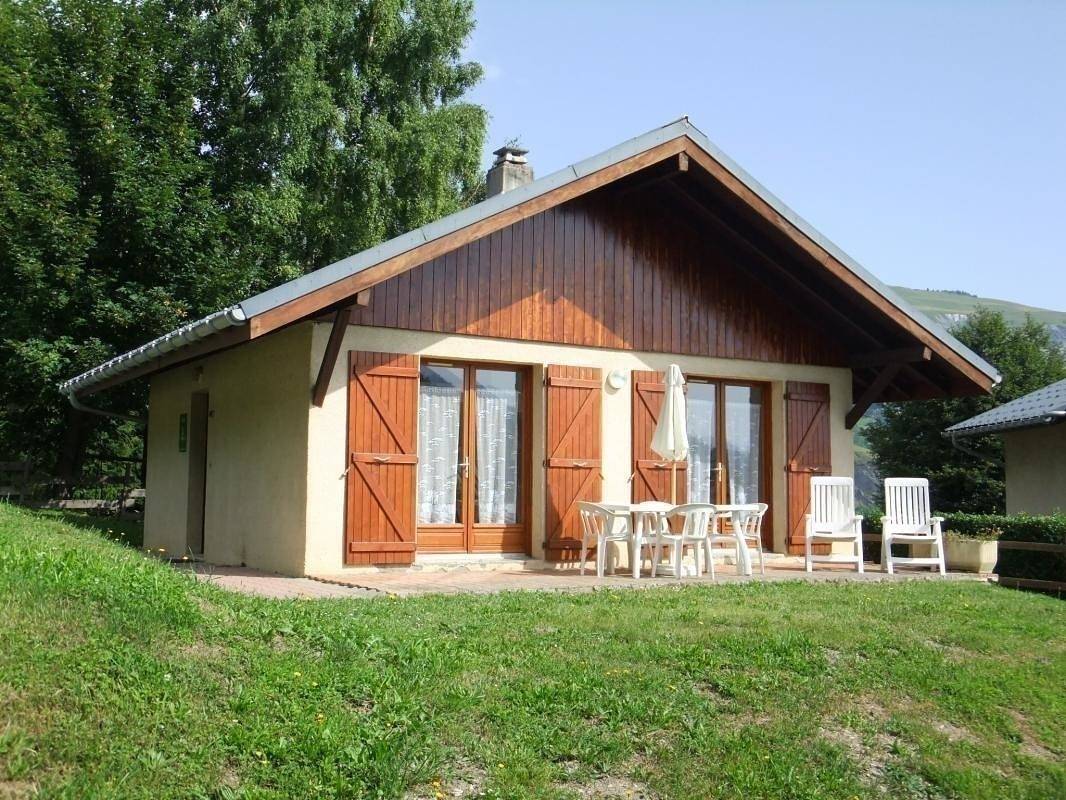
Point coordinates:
[(617, 378)]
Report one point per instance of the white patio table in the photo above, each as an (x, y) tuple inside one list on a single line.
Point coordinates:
[(643, 515), (640, 515)]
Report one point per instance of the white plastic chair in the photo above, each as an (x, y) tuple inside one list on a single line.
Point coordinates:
[(601, 524), (833, 519), (747, 532), (697, 519), (907, 519), (649, 517)]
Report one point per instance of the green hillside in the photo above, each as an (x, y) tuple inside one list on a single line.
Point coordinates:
[(947, 304), (121, 677)]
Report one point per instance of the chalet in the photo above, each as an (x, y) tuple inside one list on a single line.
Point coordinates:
[(1034, 447), (459, 388)]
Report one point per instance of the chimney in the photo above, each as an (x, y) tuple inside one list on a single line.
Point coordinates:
[(509, 171)]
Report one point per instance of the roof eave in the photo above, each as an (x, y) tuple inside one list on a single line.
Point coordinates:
[(1039, 421)]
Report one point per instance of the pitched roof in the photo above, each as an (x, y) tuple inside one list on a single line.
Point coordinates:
[(340, 275), (1045, 406)]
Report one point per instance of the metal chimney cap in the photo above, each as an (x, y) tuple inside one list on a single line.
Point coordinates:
[(511, 153)]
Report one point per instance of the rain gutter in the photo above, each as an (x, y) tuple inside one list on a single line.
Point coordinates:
[(157, 348)]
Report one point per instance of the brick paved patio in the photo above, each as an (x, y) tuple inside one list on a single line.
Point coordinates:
[(267, 584), (406, 582)]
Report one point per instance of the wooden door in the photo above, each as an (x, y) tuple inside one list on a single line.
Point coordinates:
[(199, 412), (473, 458), (573, 448), (380, 497), (651, 474), (808, 452)]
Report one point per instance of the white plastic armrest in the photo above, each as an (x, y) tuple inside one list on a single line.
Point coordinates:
[(934, 523), (856, 522)]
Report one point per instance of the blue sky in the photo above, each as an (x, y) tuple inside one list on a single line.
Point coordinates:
[(926, 139)]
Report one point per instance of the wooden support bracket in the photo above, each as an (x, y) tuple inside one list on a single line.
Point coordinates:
[(871, 394), (901, 355), (329, 358)]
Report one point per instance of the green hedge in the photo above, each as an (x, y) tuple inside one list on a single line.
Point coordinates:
[(1014, 527)]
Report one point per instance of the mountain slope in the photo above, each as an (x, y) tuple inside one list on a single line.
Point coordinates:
[(949, 307)]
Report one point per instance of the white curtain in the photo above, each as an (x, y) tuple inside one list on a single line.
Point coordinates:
[(702, 450), (497, 456), (438, 452), (743, 437)]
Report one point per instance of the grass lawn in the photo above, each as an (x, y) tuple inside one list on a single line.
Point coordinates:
[(120, 677)]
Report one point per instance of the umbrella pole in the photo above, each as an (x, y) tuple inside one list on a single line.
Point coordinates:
[(673, 483)]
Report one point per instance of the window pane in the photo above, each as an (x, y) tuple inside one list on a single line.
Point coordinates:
[(743, 439), (701, 421), (499, 394), (440, 403)]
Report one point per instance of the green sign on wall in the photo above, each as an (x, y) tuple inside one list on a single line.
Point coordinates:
[(183, 433)]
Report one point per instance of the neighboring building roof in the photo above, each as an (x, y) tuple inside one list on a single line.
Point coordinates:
[(271, 299), (1045, 406)]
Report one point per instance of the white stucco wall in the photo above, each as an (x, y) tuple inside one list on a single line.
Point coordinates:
[(327, 442), (1036, 470), (256, 497)]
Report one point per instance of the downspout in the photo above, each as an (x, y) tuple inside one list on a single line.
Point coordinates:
[(80, 406)]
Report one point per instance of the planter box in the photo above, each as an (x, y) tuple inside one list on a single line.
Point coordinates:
[(971, 555)]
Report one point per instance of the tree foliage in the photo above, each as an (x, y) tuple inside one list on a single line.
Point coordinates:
[(162, 158), (907, 438)]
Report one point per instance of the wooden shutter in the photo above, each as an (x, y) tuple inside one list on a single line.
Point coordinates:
[(572, 467), (808, 453), (382, 458), (651, 474)]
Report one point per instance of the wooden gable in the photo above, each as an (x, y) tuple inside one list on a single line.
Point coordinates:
[(605, 270)]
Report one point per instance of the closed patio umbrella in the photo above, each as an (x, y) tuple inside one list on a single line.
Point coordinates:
[(671, 436)]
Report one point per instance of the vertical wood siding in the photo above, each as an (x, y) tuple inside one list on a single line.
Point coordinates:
[(604, 273)]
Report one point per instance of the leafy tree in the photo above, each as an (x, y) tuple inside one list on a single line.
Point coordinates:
[(907, 439), (162, 158)]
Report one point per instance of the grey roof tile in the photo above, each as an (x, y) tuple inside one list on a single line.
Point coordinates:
[(1045, 406)]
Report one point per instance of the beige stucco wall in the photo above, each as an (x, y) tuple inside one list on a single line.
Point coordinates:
[(1036, 470), (256, 499), (327, 435)]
